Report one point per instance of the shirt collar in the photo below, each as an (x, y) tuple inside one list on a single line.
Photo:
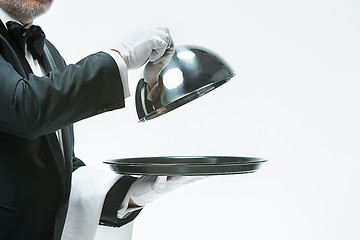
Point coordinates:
[(5, 17)]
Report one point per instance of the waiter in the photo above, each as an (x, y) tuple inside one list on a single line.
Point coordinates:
[(40, 98)]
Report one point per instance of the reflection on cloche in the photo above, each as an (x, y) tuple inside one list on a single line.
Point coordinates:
[(191, 73)]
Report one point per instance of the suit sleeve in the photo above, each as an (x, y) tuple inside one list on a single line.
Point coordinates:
[(40, 105), (112, 204), (77, 163)]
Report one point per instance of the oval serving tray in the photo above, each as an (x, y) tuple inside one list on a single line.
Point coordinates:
[(186, 165)]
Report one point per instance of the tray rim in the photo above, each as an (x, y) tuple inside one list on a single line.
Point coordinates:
[(117, 162), (189, 170), (251, 160)]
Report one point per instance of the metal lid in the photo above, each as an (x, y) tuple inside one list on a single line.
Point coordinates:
[(191, 73)]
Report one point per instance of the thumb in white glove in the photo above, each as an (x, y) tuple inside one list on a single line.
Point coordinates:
[(152, 71), (148, 45), (148, 188)]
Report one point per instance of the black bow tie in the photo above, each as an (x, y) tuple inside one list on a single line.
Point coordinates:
[(34, 37)]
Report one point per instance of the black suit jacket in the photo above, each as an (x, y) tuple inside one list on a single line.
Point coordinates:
[(35, 177)]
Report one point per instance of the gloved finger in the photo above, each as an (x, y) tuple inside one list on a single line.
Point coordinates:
[(151, 95), (164, 36), (156, 54), (164, 33), (144, 180), (158, 49), (161, 179), (135, 56), (185, 179), (147, 178), (153, 69), (166, 57)]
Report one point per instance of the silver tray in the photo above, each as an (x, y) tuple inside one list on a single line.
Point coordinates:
[(186, 165)]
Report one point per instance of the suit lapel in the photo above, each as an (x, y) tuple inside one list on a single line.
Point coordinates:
[(68, 153), (49, 64), (16, 58), (47, 60), (58, 156)]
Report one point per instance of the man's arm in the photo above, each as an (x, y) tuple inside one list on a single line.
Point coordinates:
[(113, 201), (40, 105)]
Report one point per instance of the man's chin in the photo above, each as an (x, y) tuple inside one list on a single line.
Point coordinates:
[(46, 2), (39, 6), (26, 10)]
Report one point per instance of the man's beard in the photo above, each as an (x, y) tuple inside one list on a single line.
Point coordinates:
[(25, 10)]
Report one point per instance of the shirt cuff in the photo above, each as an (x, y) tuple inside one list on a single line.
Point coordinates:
[(122, 69)]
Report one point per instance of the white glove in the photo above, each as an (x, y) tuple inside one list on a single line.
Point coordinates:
[(148, 45), (153, 69), (148, 188)]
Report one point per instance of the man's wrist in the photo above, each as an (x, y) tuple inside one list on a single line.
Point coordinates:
[(116, 51), (132, 204)]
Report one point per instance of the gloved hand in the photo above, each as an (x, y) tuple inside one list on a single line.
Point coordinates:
[(148, 188), (152, 71), (148, 45)]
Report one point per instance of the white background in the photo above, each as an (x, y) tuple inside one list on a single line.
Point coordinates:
[(294, 101)]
